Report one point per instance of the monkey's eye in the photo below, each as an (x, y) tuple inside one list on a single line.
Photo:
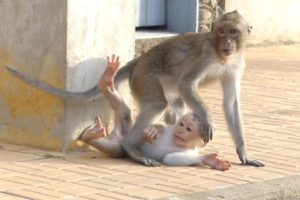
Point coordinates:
[(233, 32), (188, 129), (221, 32), (181, 124)]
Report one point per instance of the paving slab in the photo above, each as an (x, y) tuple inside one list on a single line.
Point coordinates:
[(270, 100)]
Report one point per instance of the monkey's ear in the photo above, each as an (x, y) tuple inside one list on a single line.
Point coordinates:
[(219, 12), (249, 29)]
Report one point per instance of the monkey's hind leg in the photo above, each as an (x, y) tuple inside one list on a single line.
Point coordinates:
[(149, 114)]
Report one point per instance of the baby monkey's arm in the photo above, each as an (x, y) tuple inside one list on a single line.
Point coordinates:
[(185, 158), (188, 158)]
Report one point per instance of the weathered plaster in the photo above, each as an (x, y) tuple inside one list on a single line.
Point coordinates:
[(97, 30), (32, 40), (64, 43)]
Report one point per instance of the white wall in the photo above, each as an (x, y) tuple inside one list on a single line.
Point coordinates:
[(272, 21), (95, 29)]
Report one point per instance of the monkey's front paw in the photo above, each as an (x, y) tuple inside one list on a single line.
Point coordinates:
[(208, 131), (149, 162), (255, 163), (247, 161)]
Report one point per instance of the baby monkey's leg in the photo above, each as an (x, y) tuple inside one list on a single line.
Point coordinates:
[(123, 121), (96, 137)]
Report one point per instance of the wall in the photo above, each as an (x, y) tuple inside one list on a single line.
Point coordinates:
[(97, 30), (64, 43), (272, 21), (29, 116)]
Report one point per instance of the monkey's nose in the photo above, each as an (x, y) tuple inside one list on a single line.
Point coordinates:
[(179, 132)]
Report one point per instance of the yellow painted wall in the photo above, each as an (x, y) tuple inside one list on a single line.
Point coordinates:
[(29, 116), (63, 43)]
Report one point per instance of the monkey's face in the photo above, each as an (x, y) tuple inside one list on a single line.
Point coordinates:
[(227, 38), (229, 34), (187, 133)]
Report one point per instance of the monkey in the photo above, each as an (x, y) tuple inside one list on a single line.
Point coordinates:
[(172, 145), (178, 145), (179, 66)]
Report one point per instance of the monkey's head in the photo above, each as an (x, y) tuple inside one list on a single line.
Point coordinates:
[(188, 132), (229, 34)]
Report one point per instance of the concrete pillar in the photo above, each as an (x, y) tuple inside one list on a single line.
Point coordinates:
[(64, 43)]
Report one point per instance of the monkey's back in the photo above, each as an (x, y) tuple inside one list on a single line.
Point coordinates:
[(169, 53), (169, 58)]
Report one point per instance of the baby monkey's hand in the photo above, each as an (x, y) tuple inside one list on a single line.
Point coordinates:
[(151, 133)]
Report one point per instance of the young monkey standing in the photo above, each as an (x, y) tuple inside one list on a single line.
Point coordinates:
[(175, 145)]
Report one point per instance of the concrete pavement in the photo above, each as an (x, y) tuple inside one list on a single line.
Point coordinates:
[(271, 113)]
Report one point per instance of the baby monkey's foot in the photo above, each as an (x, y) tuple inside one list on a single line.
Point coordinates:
[(93, 132)]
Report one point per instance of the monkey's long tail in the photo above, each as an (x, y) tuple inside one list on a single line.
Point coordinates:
[(89, 95), (124, 72)]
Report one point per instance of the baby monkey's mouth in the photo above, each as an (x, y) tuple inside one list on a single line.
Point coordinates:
[(178, 138)]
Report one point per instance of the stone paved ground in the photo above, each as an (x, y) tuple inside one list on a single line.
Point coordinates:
[(271, 110)]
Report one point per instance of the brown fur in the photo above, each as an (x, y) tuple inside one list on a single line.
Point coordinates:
[(190, 60)]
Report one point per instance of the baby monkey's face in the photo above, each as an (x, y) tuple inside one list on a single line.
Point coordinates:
[(187, 133)]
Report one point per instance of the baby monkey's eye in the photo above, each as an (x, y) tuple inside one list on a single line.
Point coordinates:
[(233, 32), (188, 129), (181, 124)]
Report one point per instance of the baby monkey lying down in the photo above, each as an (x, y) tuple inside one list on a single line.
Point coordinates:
[(174, 145)]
